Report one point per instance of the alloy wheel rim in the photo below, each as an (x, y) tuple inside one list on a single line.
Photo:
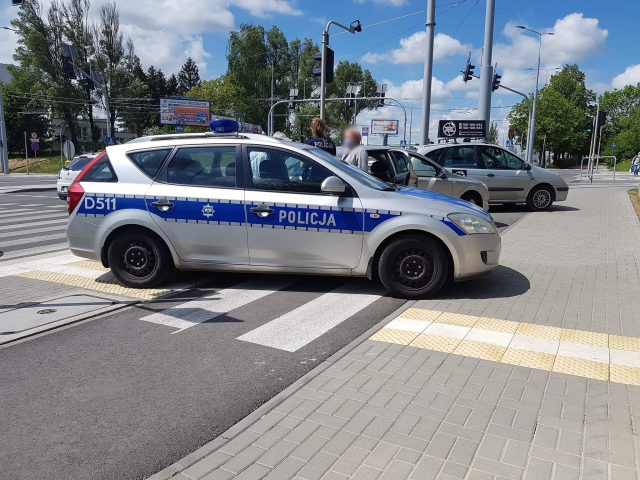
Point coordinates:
[(541, 198)]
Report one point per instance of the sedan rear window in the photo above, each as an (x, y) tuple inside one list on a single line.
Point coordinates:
[(101, 171), (149, 161), (79, 163)]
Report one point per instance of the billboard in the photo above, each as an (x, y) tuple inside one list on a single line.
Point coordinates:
[(384, 127), (184, 112), (462, 129)]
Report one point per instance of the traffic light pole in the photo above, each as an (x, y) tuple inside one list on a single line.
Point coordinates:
[(428, 72), (4, 155), (486, 72)]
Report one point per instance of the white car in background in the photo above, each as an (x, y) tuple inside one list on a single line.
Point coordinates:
[(69, 173)]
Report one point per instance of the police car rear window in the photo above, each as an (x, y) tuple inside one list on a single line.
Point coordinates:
[(149, 161), (101, 171), (203, 167)]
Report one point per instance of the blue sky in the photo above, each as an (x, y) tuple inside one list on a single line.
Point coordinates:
[(600, 36)]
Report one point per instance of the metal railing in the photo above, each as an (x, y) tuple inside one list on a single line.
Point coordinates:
[(594, 164)]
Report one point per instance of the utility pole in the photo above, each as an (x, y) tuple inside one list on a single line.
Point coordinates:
[(4, 155), (486, 71), (428, 71)]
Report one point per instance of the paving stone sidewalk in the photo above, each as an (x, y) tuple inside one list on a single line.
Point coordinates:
[(388, 411)]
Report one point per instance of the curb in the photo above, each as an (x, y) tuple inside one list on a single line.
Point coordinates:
[(266, 407)]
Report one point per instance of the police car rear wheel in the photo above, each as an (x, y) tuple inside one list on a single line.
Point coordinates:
[(139, 260), (413, 267)]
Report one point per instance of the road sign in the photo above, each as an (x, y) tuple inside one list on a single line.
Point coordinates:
[(109, 141), (613, 145), (365, 131), (68, 149), (403, 143), (34, 135), (462, 129), (35, 146)]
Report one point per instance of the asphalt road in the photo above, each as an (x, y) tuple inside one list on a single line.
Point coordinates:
[(120, 397)]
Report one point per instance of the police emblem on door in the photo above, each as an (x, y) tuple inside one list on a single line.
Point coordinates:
[(208, 211)]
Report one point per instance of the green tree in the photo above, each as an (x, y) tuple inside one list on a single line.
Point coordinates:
[(492, 135), (188, 77), (623, 122)]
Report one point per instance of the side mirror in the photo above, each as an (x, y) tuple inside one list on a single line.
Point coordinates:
[(334, 185), (527, 166), (443, 175)]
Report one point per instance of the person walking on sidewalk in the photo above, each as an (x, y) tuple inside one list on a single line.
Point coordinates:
[(635, 165), (318, 137), (355, 154)]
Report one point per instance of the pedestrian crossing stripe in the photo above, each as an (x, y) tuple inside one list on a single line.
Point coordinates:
[(587, 354)]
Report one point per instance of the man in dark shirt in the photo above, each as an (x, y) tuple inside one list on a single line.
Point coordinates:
[(318, 137)]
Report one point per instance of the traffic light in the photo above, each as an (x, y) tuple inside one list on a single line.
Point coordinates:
[(602, 118), (496, 82), (467, 74), (67, 54), (381, 91), (17, 3), (317, 67)]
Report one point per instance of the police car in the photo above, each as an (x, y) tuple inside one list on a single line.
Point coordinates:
[(230, 201)]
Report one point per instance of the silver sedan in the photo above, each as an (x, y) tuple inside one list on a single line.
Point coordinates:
[(397, 165)]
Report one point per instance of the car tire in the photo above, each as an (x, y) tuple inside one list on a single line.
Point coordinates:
[(472, 197), (413, 266), (540, 198), (139, 260)]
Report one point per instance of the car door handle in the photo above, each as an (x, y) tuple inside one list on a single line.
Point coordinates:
[(163, 205), (262, 210), (490, 175)]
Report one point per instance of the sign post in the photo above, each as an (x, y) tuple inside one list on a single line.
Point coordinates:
[(35, 144)]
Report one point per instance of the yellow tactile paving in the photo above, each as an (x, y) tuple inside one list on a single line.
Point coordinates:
[(98, 285), (89, 265), (542, 331), (575, 352), (581, 368), (631, 344), (525, 358), (435, 342), (420, 314), (624, 374), (504, 326), (457, 319), (588, 338), (485, 351), (391, 335)]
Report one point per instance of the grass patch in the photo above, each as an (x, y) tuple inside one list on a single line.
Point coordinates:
[(44, 164), (634, 196), (623, 166)]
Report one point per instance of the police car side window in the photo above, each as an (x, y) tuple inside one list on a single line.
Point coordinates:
[(101, 171), (281, 171), (149, 161), (213, 166)]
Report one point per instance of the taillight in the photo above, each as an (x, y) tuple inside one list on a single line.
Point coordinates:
[(75, 191)]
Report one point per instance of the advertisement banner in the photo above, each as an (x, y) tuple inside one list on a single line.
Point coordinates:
[(183, 112), (462, 129), (385, 127)]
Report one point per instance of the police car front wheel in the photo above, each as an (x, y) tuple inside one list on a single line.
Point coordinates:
[(414, 266), (139, 260)]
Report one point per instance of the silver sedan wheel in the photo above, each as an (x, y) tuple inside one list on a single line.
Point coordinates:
[(542, 198)]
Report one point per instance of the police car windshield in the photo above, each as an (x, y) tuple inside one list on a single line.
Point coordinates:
[(363, 177)]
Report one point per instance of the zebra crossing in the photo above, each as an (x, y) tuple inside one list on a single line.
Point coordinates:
[(31, 225)]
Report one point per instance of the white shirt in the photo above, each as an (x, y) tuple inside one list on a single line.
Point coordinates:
[(358, 157)]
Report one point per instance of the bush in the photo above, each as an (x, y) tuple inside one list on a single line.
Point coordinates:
[(566, 162)]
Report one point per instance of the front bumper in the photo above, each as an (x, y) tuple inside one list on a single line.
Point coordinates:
[(477, 255), (561, 193)]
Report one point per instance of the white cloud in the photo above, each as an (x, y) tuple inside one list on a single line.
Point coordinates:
[(412, 49), (631, 76), (412, 90), (166, 32)]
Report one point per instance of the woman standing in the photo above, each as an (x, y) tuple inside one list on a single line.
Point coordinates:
[(318, 136)]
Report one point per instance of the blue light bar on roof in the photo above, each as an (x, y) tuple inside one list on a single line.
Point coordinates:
[(224, 125)]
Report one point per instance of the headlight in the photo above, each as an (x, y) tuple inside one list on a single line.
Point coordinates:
[(471, 224)]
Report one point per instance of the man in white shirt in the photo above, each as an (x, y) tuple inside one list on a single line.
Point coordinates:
[(355, 153)]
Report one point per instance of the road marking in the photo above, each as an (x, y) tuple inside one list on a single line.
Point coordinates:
[(575, 352), (42, 238), (21, 233), (16, 226), (192, 313), (28, 213), (300, 326)]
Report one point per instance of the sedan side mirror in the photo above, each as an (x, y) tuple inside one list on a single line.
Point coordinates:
[(527, 166), (443, 175), (333, 185)]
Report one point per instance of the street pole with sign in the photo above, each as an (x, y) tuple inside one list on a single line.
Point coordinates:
[(428, 71), (4, 154)]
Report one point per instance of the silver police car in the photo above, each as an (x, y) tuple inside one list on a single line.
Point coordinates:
[(246, 202)]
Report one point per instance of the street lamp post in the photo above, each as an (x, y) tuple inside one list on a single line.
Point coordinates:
[(353, 28), (532, 123)]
